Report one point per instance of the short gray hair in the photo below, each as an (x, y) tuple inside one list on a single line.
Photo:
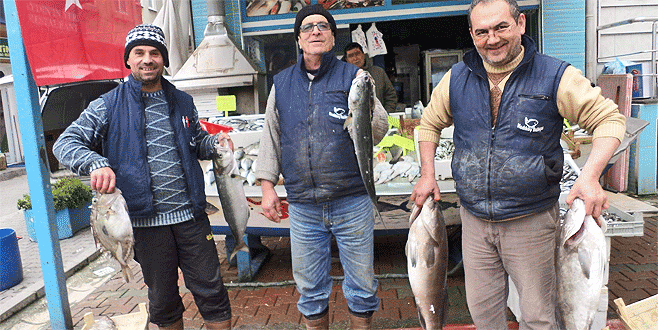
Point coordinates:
[(513, 8)]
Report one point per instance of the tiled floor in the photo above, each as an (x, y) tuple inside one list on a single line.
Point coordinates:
[(261, 305)]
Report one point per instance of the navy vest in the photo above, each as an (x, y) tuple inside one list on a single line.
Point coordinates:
[(515, 168), (125, 145), (317, 154)]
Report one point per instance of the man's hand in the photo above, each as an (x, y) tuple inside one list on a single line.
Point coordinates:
[(591, 193), (423, 188), (270, 203), (225, 136), (103, 180)]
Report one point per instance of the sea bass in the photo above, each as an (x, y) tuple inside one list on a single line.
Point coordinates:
[(361, 102), (427, 263), (581, 258), (231, 193), (112, 228)]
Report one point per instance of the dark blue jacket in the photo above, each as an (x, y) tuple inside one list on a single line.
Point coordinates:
[(125, 145), (515, 168), (317, 155)]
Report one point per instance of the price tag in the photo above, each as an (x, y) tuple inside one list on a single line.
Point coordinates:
[(226, 103)]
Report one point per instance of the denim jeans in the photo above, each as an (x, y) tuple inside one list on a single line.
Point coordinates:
[(351, 220)]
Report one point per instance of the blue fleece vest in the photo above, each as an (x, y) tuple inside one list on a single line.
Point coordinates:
[(125, 145), (317, 154), (515, 168)]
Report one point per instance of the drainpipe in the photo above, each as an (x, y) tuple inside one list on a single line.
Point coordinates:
[(591, 39)]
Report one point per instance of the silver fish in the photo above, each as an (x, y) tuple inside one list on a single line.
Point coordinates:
[(361, 103), (580, 263), (112, 228), (427, 263), (103, 323), (231, 193)]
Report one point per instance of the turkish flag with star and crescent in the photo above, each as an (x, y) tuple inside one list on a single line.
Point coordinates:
[(76, 40)]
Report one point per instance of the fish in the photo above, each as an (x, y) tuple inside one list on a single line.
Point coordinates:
[(103, 322), (580, 262), (231, 193), (427, 263), (112, 228), (361, 103)]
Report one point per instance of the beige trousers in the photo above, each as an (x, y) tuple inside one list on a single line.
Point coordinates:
[(523, 248)]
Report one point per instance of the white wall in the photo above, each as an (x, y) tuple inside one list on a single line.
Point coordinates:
[(625, 39)]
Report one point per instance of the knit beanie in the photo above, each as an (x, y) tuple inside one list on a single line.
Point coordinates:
[(315, 9), (149, 35)]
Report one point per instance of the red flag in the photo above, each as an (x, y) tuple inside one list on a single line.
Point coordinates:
[(76, 40)]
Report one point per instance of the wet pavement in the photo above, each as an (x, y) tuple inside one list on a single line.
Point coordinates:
[(269, 301)]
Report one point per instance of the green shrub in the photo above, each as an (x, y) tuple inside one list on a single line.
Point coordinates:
[(67, 192)]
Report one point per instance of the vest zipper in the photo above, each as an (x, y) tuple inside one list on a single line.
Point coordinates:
[(489, 153), (310, 138)]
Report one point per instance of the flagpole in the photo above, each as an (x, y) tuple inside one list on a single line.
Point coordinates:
[(31, 128)]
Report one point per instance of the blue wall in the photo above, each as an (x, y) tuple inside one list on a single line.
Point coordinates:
[(563, 30)]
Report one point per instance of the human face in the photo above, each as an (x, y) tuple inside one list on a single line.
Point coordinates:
[(146, 65), (356, 57), (497, 37), (315, 42)]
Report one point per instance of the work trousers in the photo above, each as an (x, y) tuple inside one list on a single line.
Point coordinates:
[(351, 220), (524, 248), (190, 246)]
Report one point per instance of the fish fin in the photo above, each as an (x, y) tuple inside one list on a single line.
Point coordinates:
[(127, 273), (415, 211), (585, 262), (240, 247), (348, 121)]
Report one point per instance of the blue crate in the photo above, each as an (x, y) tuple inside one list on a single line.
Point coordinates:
[(69, 221)]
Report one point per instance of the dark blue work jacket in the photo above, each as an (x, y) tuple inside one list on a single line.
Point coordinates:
[(125, 145), (514, 168), (317, 154)]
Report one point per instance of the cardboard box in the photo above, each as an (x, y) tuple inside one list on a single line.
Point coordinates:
[(636, 71)]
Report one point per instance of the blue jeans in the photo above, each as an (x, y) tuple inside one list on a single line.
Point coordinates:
[(351, 220)]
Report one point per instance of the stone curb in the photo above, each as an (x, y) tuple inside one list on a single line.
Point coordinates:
[(11, 173)]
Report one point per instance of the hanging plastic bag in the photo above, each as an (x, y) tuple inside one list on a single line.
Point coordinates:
[(375, 39), (359, 37)]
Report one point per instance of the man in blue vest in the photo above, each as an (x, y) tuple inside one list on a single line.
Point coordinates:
[(151, 139), (507, 103), (304, 140)]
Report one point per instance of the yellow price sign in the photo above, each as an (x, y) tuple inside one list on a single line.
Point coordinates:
[(225, 103)]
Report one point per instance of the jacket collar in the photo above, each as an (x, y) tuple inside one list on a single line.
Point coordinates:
[(326, 62)]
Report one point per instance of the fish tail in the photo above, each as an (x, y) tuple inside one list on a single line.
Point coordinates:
[(240, 247), (127, 273)]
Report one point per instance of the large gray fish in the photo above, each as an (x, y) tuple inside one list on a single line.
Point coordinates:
[(427, 263), (112, 228), (231, 193), (361, 102), (580, 263)]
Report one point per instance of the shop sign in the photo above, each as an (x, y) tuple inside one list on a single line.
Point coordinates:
[(279, 7), (4, 48)]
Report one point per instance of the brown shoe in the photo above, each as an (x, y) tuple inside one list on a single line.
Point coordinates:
[(221, 325), (360, 323), (319, 324), (178, 325)]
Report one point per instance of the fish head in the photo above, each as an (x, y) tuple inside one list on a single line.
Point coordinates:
[(428, 210), (572, 229), (223, 160), (362, 87)]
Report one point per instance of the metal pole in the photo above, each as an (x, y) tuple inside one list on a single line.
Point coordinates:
[(38, 176)]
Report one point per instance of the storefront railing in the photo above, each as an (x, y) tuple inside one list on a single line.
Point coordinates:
[(653, 51)]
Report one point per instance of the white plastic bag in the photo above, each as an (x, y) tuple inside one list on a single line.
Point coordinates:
[(359, 37), (375, 39)]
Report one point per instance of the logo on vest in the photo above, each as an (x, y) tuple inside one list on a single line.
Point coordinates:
[(530, 125), (339, 113)]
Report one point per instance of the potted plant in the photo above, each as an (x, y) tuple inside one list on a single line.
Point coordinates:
[(72, 201)]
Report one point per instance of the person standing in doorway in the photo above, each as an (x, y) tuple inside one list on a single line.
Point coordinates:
[(384, 90)]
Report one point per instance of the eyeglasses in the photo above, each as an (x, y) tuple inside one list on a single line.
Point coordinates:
[(497, 31), (322, 26)]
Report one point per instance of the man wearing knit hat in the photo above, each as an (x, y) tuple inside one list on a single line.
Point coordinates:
[(304, 140), (151, 138)]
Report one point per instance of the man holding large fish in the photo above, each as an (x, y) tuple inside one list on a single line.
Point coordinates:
[(304, 139), (507, 103), (151, 139)]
